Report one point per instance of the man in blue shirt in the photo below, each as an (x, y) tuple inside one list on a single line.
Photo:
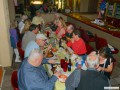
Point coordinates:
[(32, 75), (40, 41)]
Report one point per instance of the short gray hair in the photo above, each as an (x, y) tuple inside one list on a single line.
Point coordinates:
[(92, 62), (35, 53), (70, 27)]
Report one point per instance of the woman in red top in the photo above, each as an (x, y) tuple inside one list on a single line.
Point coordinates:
[(61, 30), (77, 44)]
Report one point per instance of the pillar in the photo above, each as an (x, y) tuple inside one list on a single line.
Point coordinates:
[(5, 49)]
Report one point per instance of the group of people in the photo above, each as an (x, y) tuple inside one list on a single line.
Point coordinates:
[(33, 76)]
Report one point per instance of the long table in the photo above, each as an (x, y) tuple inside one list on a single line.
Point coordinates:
[(61, 54)]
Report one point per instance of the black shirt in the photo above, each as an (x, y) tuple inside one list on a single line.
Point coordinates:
[(108, 62)]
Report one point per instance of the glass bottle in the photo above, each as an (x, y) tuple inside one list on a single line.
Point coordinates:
[(69, 65)]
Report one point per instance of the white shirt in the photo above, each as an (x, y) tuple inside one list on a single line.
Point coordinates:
[(38, 20), (21, 26)]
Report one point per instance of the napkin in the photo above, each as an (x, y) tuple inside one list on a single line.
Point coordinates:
[(111, 47)]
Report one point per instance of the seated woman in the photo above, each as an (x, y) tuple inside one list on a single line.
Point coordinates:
[(61, 30), (54, 23), (106, 62), (78, 45)]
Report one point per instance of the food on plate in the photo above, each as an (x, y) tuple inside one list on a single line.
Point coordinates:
[(54, 49), (62, 78), (49, 54)]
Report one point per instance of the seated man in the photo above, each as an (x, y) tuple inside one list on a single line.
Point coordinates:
[(32, 75), (36, 44), (29, 35), (69, 32), (78, 45), (38, 19), (90, 79)]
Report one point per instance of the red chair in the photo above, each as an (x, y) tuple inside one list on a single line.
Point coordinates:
[(100, 42), (14, 80), (19, 44), (20, 50), (85, 36), (89, 48), (21, 53)]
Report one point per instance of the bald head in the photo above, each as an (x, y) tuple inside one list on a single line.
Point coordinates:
[(35, 57), (70, 28)]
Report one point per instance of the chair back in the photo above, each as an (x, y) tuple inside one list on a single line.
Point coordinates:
[(84, 35), (21, 53), (100, 42), (20, 50), (89, 48), (14, 80)]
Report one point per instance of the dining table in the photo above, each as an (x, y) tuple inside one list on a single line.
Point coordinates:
[(62, 52)]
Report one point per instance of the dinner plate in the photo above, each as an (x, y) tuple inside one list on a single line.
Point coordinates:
[(62, 78)]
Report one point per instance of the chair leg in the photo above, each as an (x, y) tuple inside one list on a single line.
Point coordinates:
[(13, 60)]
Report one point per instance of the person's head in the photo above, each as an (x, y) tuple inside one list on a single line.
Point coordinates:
[(24, 17), (13, 25), (40, 39), (34, 28), (35, 58), (61, 22), (70, 28), (27, 25), (103, 53), (56, 16), (76, 34), (92, 61), (38, 13)]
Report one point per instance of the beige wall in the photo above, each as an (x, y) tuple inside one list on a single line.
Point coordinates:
[(11, 10), (5, 50), (84, 5), (50, 17), (88, 5)]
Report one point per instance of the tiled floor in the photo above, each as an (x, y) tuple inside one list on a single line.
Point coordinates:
[(7, 78)]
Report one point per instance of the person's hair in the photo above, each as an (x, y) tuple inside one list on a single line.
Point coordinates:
[(24, 17), (56, 14), (37, 11), (77, 32), (62, 22), (13, 24), (35, 53), (103, 52), (92, 63), (33, 27), (27, 23), (71, 27)]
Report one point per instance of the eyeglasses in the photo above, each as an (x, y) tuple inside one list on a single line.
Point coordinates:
[(43, 40)]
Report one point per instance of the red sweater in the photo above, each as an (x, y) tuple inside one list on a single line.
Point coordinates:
[(78, 46)]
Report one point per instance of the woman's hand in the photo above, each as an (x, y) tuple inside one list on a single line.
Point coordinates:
[(100, 68)]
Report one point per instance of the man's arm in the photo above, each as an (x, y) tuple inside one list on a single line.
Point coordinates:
[(73, 80), (45, 61), (38, 82)]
